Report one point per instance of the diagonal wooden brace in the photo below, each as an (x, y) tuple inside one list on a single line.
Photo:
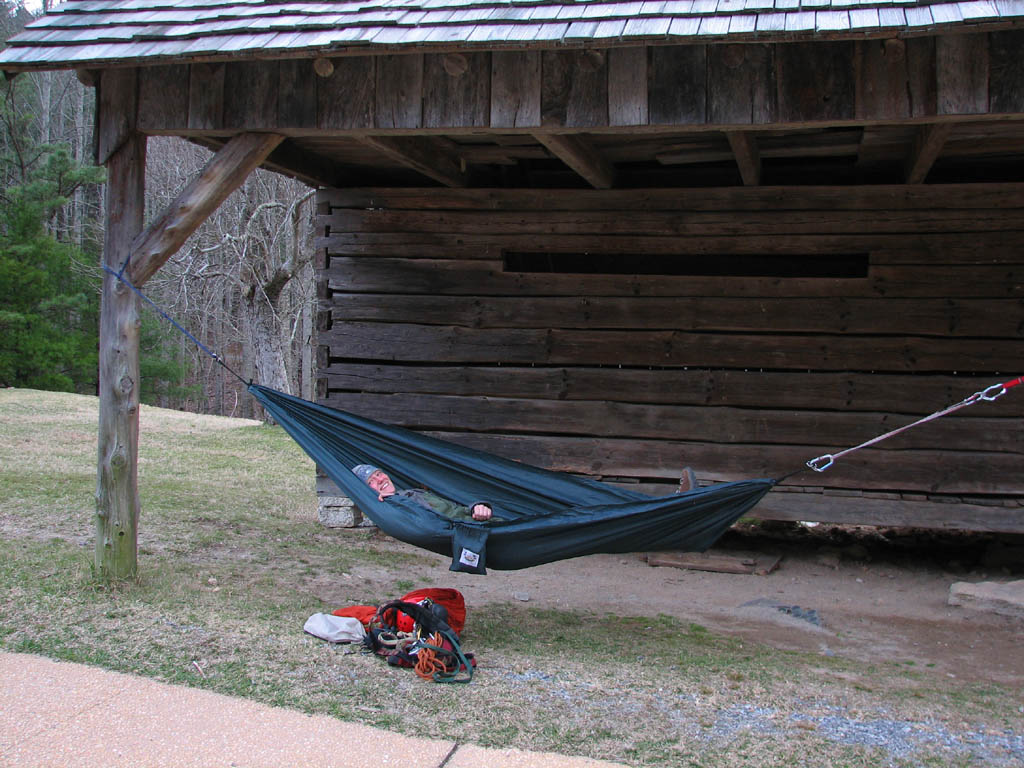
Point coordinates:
[(228, 169)]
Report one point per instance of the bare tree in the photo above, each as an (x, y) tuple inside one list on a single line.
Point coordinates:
[(243, 283)]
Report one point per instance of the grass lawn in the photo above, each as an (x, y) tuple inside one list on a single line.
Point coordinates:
[(232, 559)]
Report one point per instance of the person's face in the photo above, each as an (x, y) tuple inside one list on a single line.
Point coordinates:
[(381, 483)]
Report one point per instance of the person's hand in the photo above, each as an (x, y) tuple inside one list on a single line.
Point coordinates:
[(481, 512)]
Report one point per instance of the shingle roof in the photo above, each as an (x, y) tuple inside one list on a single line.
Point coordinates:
[(103, 32)]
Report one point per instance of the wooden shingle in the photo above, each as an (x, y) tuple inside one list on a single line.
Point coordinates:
[(104, 32)]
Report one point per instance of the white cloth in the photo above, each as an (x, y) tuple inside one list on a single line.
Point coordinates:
[(335, 629)]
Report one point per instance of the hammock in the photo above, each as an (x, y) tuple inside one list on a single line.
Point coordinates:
[(540, 516)]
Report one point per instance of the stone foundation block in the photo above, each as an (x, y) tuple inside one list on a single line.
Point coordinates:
[(340, 512)]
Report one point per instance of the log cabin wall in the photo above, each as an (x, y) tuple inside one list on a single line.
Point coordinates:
[(626, 334)]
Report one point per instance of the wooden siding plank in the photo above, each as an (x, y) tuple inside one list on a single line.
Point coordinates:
[(677, 85), (882, 79), (953, 514), (603, 418), (456, 90), (346, 98), (861, 198), (928, 249), (250, 95), (744, 89), (297, 89), (697, 223), (921, 83), (163, 97), (819, 391), (473, 278), (574, 88), (206, 96), (815, 81), (978, 318), (962, 74), (515, 89), (627, 86), (433, 344), (399, 91), (1006, 73)]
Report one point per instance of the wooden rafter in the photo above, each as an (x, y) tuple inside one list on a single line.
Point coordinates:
[(228, 169), (928, 144), (744, 149), (581, 157), (432, 157)]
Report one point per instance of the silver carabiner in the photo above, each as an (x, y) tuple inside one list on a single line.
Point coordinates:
[(828, 458), (985, 394)]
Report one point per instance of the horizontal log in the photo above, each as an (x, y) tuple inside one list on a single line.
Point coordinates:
[(678, 224), (488, 278), (860, 198), (671, 422), (916, 395), (906, 248), (935, 471), (991, 318), (952, 516), (432, 344)]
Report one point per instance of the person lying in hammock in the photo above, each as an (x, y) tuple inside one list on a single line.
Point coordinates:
[(378, 480)]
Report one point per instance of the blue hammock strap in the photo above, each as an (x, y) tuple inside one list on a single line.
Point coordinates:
[(220, 361)]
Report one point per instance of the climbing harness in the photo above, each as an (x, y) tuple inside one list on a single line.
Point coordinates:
[(821, 463), (432, 648)]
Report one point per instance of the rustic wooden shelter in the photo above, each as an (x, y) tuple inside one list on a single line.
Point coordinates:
[(614, 238)]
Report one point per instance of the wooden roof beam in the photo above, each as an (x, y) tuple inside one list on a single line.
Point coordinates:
[(581, 157), (432, 157), (225, 173), (744, 149), (928, 143)]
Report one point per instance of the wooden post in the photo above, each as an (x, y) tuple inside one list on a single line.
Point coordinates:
[(117, 490)]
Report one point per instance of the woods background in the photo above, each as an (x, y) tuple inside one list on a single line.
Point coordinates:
[(243, 284)]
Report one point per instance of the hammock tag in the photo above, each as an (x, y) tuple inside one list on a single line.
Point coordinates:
[(469, 548)]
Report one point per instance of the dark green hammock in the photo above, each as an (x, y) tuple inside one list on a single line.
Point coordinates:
[(539, 516)]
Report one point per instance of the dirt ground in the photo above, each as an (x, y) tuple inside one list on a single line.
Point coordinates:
[(879, 595)]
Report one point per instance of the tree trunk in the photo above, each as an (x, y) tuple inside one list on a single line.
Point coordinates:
[(260, 318), (117, 494)]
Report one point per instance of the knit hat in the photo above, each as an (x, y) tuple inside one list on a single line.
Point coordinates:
[(363, 471)]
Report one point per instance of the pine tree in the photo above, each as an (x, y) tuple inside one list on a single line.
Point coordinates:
[(49, 310)]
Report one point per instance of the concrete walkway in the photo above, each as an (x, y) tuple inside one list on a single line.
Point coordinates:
[(61, 714)]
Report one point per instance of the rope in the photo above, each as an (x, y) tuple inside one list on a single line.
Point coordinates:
[(429, 663), (120, 276), (821, 463)]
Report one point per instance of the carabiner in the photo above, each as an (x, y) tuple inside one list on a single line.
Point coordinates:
[(985, 394), (828, 458)]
